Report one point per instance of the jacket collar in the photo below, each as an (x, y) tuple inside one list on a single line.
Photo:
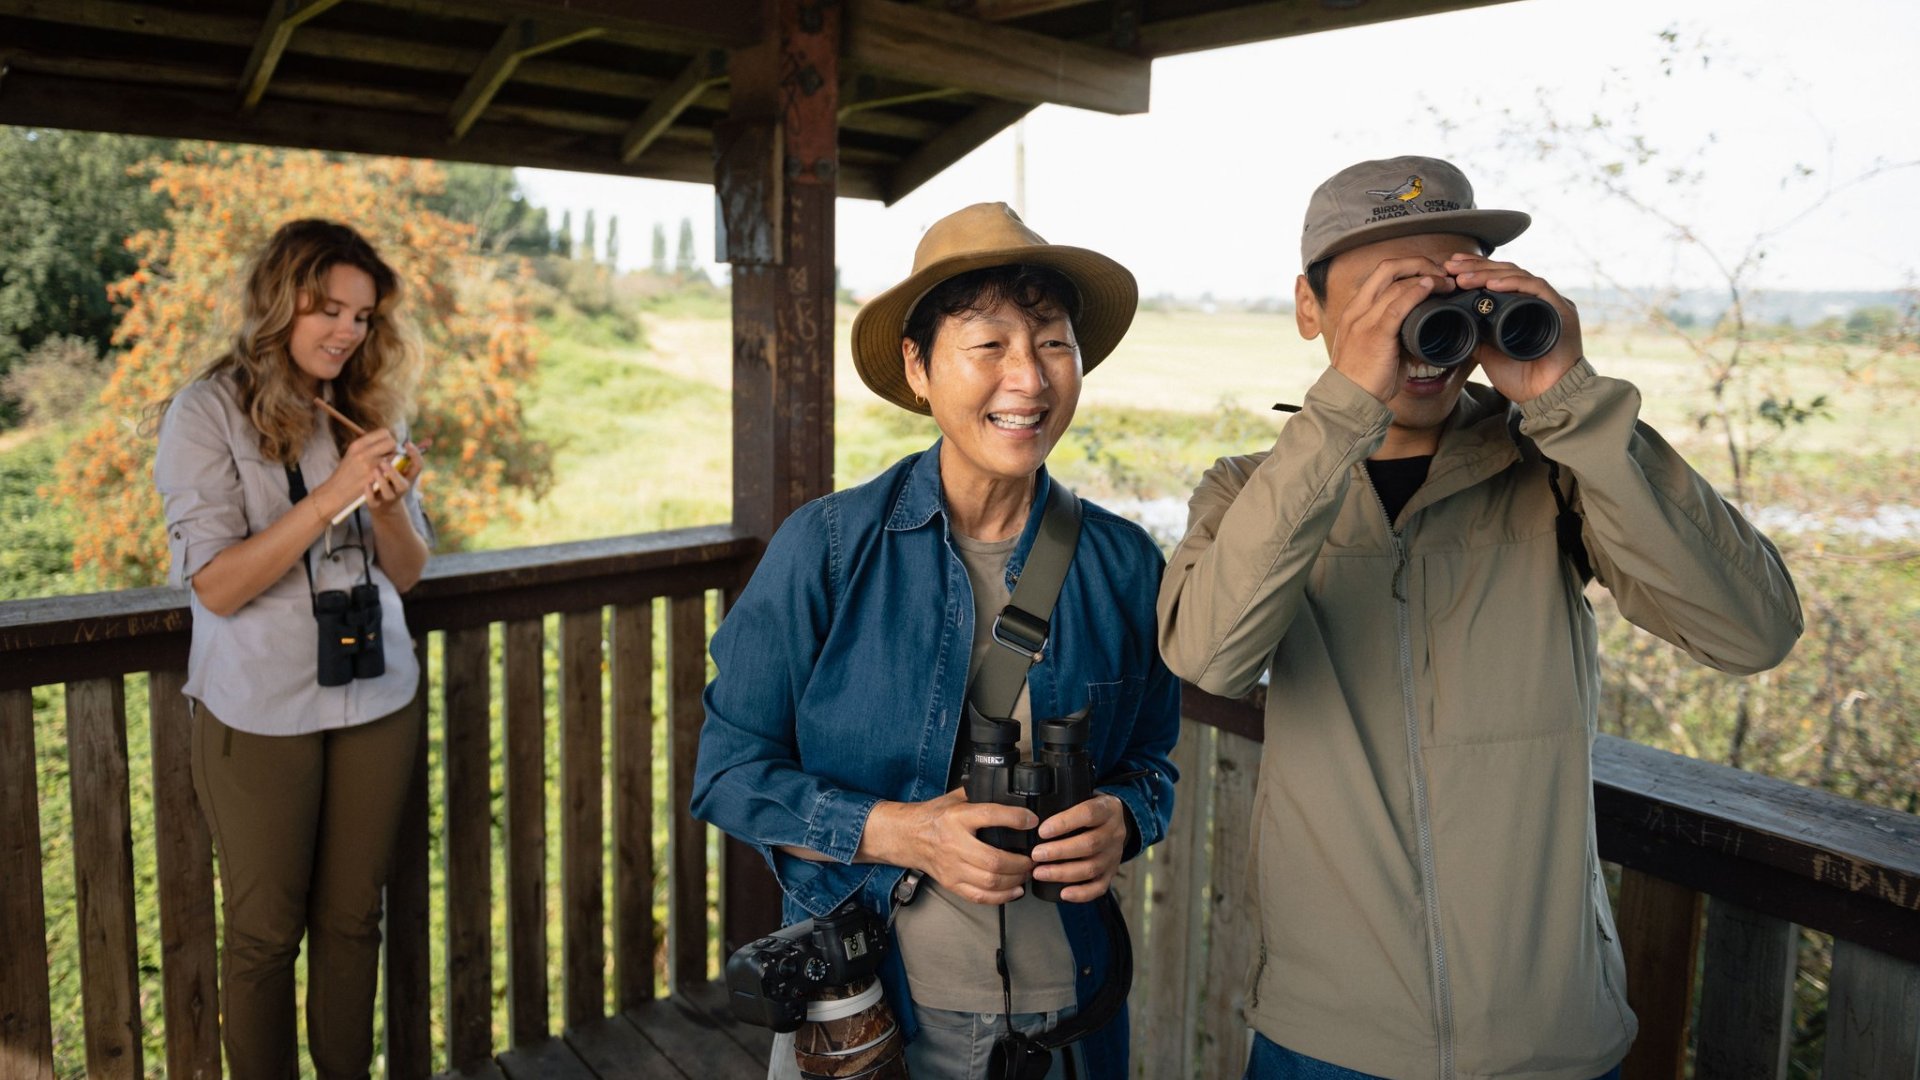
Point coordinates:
[(1475, 446), (921, 498)]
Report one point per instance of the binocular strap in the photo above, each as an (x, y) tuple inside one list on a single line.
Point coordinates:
[(297, 490)]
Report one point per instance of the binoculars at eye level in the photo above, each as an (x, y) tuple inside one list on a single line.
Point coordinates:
[(1444, 330)]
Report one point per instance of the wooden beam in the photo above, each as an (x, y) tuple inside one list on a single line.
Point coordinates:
[(1248, 23), (34, 99), (935, 48), (522, 38), (282, 20), (956, 142), (1005, 10), (704, 73), (710, 23), (861, 93)]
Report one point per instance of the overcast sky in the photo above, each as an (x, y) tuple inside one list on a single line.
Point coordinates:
[(1205, 192)]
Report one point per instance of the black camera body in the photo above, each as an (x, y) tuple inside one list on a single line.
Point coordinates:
[(1445, 330), (350, 645), (1059, 777), (770, 980)]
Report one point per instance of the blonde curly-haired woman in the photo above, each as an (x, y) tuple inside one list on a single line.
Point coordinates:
[(301, 664)]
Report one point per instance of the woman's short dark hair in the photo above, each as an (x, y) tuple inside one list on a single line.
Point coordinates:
[(1038, 291)]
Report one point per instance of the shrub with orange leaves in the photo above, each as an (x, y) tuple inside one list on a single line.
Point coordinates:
[(481, 346)]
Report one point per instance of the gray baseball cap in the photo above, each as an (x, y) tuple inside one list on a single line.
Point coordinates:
[(1401, 196)]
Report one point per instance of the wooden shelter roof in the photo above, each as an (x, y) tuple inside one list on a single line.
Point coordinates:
[(628, 87)]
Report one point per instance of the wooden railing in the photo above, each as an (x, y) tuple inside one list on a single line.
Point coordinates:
[(604, 593), (1765, 855)]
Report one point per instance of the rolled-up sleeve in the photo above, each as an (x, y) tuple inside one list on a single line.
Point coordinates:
[(199, 483)]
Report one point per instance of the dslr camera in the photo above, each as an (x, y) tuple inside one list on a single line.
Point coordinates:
[(1058, 778), (1444, 330), (770, 980), (350, 645)]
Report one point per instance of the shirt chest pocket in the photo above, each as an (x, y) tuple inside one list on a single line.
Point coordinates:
[(263, 488), (1111, 708)]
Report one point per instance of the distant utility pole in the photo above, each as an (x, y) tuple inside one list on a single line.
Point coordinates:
[(1020, 168)]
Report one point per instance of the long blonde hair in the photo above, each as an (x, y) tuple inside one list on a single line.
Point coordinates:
[(286, 280)]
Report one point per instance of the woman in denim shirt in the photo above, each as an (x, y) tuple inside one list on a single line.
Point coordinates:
[(833, 723)]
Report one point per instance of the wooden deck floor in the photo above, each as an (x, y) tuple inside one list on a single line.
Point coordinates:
[(691, 1037)]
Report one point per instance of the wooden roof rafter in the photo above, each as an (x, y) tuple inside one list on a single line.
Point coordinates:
[(524, 37), (705, 72), (626, 87), (282, 20)]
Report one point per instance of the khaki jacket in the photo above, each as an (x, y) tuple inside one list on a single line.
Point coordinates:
[(1426, 874)]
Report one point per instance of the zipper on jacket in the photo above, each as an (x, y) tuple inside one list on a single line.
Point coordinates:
[(1442, 988)]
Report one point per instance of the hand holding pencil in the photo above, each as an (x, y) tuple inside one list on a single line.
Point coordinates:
[(375, 462)]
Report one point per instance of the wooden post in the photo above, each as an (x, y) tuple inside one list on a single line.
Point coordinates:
[(103, 875), (408, 981), (775, 174), (1660, 935), (582, 830), (468, 835), (1873, 1015), (687, 925), (183, 854), (26, 1027), (1746, 997), (522, 678)]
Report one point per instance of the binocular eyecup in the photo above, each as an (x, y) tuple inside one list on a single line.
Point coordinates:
[(1445, 330)]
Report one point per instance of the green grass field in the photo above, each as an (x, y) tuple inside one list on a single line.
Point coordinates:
[(642, 434)]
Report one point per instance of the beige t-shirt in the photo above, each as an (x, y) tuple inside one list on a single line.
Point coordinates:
[(947, 942)]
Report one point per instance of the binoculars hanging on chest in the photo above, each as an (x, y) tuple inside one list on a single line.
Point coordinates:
[(1059, 777), (1445, 330)]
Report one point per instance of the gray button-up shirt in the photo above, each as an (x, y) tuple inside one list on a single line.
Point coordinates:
[(258, 669)]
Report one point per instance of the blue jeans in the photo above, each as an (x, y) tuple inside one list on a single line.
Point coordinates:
[(1271, 1061)]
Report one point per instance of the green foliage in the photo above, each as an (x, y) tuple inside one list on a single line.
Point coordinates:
[(37, 558), (684, 258), (489, 198), (59, 380), (659, 261), (67, 206)]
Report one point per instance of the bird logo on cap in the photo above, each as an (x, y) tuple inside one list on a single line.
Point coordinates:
[(1405, 193)]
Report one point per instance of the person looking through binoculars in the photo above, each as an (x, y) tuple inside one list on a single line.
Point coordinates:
[(854, 682), (1409, 565), (294, 521)]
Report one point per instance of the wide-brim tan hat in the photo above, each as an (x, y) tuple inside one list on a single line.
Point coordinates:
[(980, 236)]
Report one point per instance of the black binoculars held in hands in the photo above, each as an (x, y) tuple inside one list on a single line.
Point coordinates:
[(1060, 777), (1444, 330), (350, 645)]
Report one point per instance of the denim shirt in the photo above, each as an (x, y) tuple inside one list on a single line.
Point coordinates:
[(842, 681)]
